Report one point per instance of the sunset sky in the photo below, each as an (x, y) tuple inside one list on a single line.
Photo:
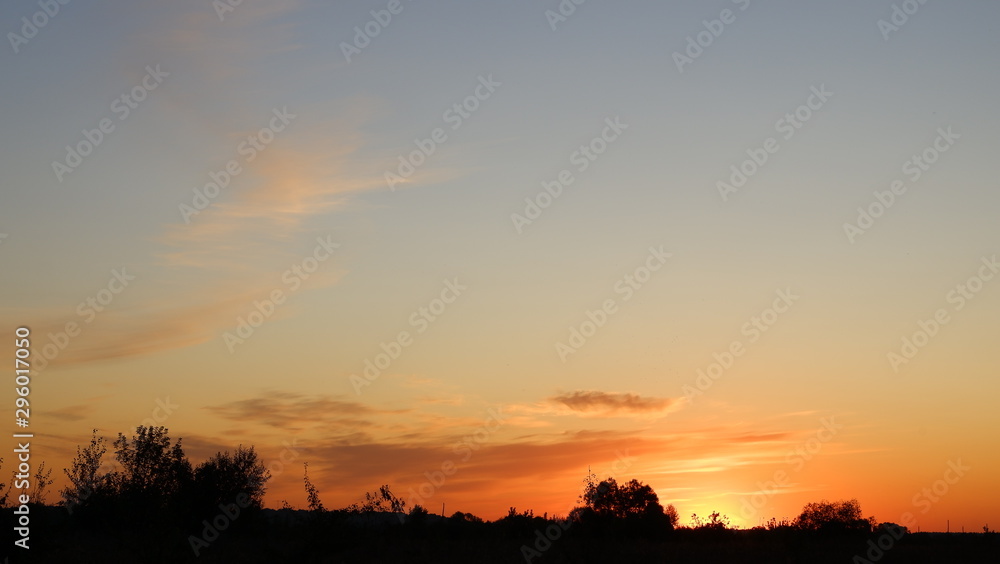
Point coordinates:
[(745, 252)]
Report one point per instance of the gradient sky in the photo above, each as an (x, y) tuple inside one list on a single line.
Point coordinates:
[(482, 389)]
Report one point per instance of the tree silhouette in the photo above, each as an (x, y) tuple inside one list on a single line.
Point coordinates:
[(154, 473), (837, 516), (225, 476), (418, 513), (154, 479), (671, 513), (632, 499), (5, 489), (312, 494), (87, 484), (715, 521), (464, 517), (379, 501), (629, 509), (143, 508), (40, 484)]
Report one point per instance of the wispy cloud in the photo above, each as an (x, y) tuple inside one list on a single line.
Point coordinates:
[(76, 412), (234, 251)]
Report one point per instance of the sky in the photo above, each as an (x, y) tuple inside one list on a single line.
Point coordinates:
[(742, 251)]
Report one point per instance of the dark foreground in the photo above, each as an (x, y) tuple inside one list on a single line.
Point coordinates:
[(298, 536)]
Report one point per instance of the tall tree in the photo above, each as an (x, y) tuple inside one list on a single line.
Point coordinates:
[(152, 469)]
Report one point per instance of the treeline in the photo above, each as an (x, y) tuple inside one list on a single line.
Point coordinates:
[(153, 482), (153, 505)]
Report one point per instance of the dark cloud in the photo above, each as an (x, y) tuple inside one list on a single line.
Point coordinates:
[(290, 412), (613, 403)]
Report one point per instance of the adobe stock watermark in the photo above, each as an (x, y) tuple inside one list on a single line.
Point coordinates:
[(562, 13), (163, 410), (704, 39), (544, 539), (469, 444), (228, 513), (958, 297), (626, 286), (421, 319), (87, 310), (582, 157), (914, 168), (87, 489), (223, 7), (30, 26), (898, 17), (455, 117), (787, 126), (122, 107), (753, 329), (249, 148), (212, 529), (923, 500), (292, 280), (364, 34), (796, 459)]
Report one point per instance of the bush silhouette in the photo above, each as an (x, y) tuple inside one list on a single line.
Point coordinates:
[(632, 508), (837, 516), (225, 477), (714, 522)]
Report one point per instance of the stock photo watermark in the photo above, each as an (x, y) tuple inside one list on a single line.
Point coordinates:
[(958, 297), (88, 310), (228, 512), (544, 538), (455, 117), (626, 286), (364, 34), (292, 278), (159, 415), (759, 156), (753, 329), (436, 479), (796, 459), (582, 157), (898, 17), (249, 149), (122, 107), (31, 25), (924, 500), (704, 39), (420, 319), (562, 13), (223, 7), (914, 168)]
